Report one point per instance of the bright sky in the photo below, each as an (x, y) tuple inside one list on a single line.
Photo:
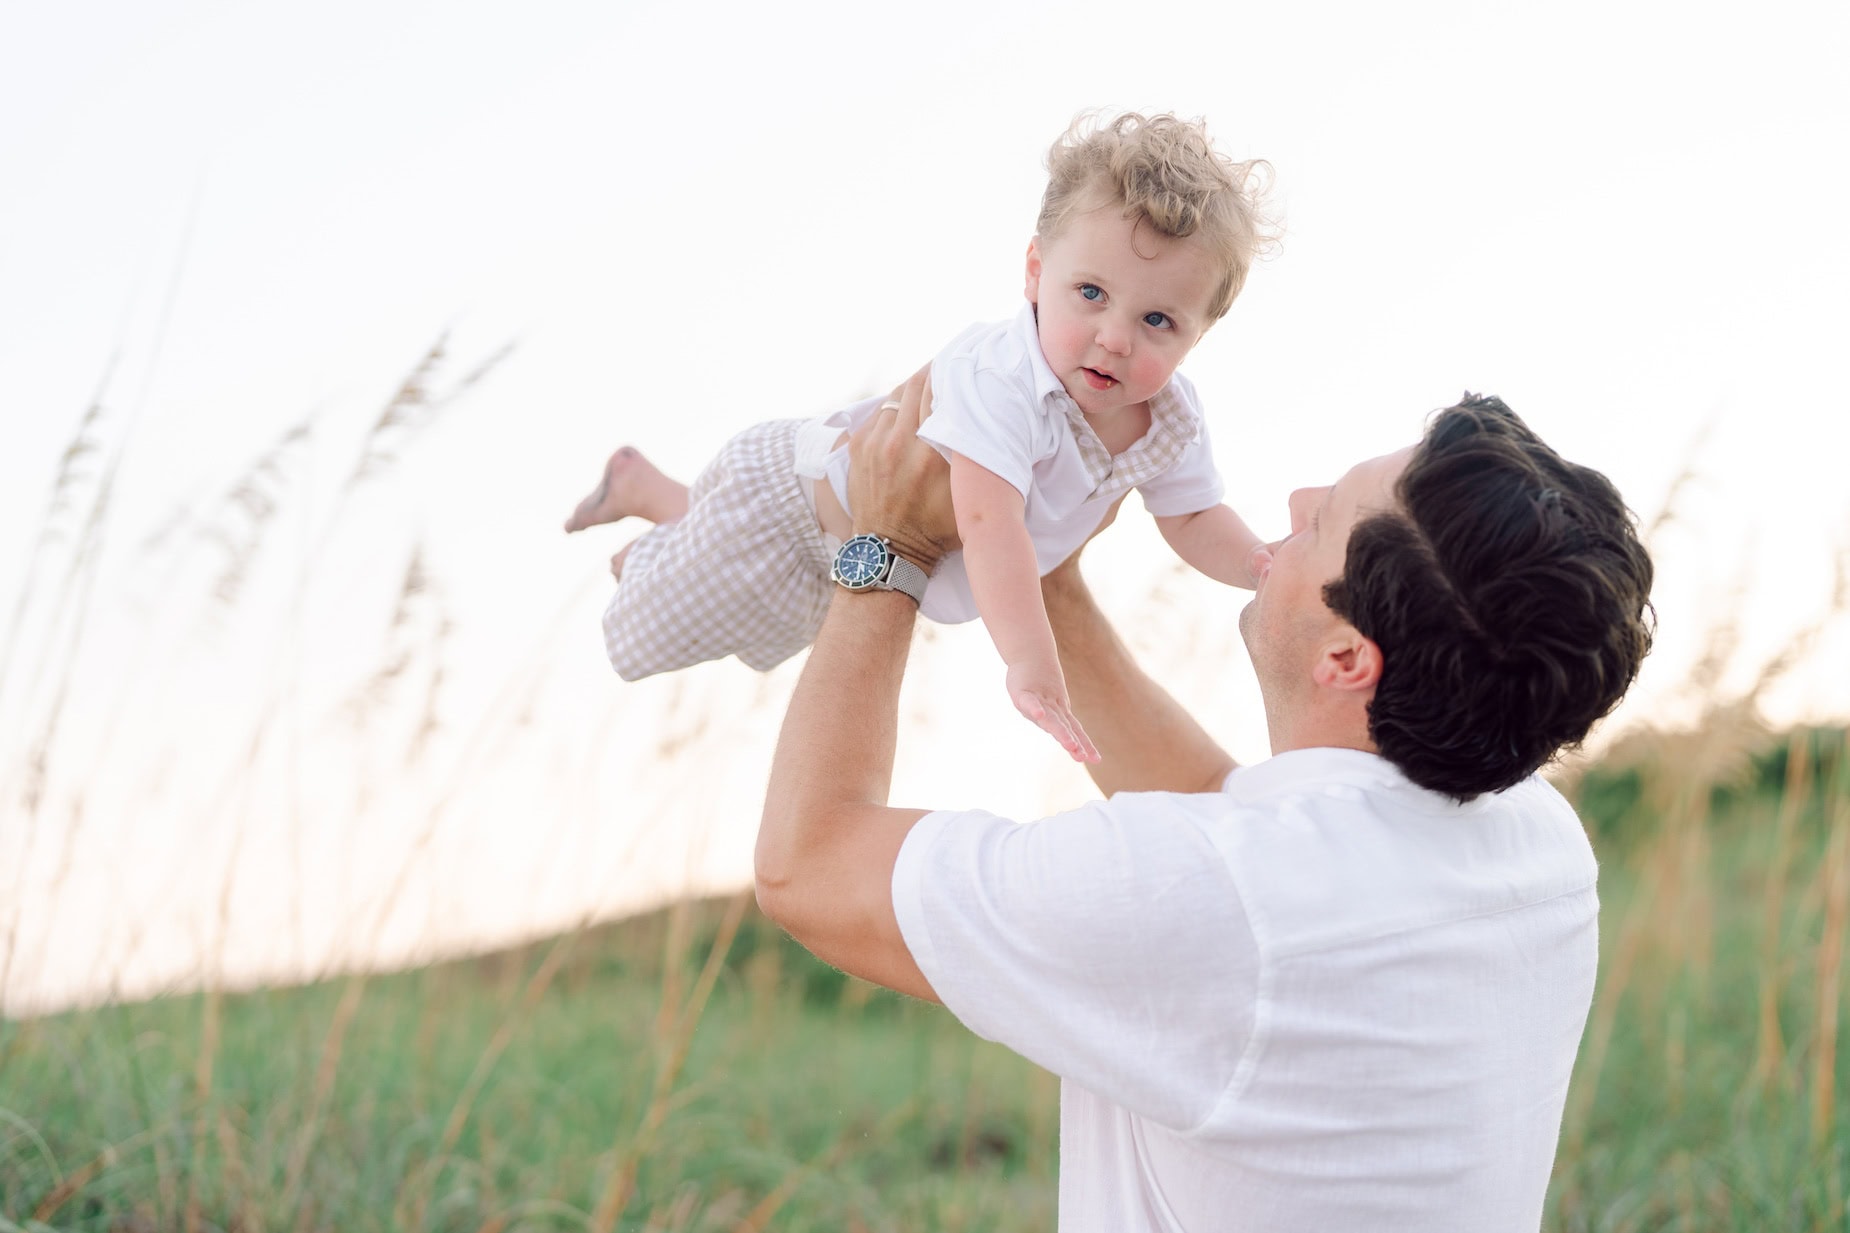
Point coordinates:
[(1626, 219)]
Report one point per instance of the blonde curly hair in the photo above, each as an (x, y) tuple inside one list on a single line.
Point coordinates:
[(1163, 171)]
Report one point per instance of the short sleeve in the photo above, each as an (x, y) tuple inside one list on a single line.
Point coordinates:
[(985, 415), (1193, 484), (1108, 945)]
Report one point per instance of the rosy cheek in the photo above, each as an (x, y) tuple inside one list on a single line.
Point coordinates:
[(1069, 339), (1155, 371)]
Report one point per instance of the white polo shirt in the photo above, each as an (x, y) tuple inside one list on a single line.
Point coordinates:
[(1322, 999), (995, 401)]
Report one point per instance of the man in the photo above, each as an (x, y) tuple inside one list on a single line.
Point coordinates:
[(1341, 989)]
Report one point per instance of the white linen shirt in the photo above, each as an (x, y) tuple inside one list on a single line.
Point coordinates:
[(996, 402), (1322, 999)]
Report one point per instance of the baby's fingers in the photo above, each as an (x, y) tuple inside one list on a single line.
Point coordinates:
[(1057, 721), (1082, 748)]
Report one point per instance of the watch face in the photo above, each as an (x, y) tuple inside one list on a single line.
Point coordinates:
[(860, 562)]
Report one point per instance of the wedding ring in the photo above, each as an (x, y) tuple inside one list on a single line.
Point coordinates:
[(890, 405)]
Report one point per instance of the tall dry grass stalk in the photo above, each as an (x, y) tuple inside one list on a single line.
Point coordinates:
[(72, 1184), (69, 608), (1620, 969), (674, 949), (1829, 977), (326, 1070), (204, 1059), (504, 1034), (762, 1213), (243, 519), (72, 594), (417, 633), (674, 1033), (66, 493), (1687, 473), (1770, 1048), (414, 407)]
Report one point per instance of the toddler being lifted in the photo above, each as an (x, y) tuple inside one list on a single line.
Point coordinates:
[(1144, 238)]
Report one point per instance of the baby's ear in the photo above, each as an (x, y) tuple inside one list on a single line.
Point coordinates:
[(1033, 291)]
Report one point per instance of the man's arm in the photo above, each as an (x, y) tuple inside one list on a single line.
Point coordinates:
[(1146, 741), (828, 841)]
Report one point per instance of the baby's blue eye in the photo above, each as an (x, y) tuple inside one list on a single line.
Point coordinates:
[(1091, 292), (1160, 320)]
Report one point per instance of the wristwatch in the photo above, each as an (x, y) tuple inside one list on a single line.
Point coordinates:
[(868, 563)]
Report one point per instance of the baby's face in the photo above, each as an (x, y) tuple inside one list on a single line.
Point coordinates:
[(1118, 306)]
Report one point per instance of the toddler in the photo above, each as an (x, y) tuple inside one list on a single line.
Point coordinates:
[(1144, 238)]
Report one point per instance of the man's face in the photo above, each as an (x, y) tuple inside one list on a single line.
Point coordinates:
[(1286, 623), (1118, 306)]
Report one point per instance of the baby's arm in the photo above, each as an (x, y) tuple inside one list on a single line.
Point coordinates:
[(1006, 582), (1215, 541)]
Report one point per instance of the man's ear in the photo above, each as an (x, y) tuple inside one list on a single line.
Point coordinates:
[(1348, 663), (1033, 291)]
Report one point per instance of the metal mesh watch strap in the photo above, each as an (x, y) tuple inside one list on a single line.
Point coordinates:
[(867, 562), (904, 576)]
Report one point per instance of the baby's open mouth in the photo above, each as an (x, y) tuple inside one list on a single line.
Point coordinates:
[(1099, 380)]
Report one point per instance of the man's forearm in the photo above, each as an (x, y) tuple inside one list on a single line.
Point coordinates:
[(836, 746), (1146, 741), (827, 842)]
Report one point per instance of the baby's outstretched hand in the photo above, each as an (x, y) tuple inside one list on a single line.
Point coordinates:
[(1039, 692)]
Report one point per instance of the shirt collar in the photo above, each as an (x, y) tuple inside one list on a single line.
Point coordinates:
[(1047, 387), (1298, 771), (1173, 414)]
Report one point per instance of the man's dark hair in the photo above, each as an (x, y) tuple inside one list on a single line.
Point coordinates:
[(1510, 596)]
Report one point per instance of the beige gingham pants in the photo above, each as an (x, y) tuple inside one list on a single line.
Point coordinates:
[(745, 573)]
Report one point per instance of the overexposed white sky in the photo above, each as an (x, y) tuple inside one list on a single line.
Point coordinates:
[(1623, 218)]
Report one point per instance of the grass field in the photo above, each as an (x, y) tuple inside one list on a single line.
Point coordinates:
[(692, 1070)]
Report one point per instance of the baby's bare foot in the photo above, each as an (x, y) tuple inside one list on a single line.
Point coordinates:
[(631, 484)]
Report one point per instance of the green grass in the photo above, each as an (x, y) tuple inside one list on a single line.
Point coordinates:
[(1719, 1099), (594, 1082), (837, 1105)]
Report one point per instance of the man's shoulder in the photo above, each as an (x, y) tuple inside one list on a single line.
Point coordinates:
[(1329, 846)]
